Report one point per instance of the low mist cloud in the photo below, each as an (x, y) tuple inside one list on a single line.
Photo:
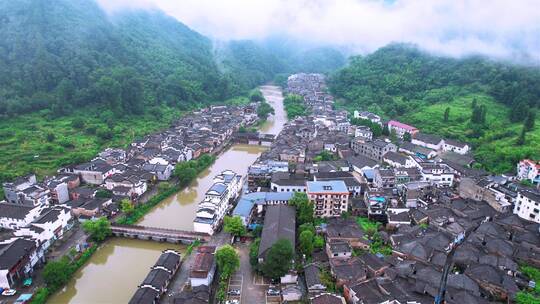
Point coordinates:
[(498, 28)]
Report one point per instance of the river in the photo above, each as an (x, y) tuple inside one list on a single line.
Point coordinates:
[(115, 270)]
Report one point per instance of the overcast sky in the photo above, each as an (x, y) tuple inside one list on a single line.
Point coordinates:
[(508, 29)]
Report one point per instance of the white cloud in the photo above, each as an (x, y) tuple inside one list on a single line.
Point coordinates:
[(498, 28)]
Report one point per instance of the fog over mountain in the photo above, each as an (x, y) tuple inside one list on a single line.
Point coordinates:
[(497, 28)]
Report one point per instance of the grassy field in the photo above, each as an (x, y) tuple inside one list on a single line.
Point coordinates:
[(26, 143), (496, 148)]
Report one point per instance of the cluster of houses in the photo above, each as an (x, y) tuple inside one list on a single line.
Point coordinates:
[(424, 192), (217, 200), (36, 213)]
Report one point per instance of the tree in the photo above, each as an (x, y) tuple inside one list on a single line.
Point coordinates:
[(77, 123), (103, 193), (234, 226), (529, 121), (306, 227), (56, 273), (521, 139), (407, 137), (318, 242), (386, 131), (519, 111), (127, 206), (304, 208), (254, 252), (305, 241), (51, 137), (278, 259), (256, 96), (446, 114), (98, 229), (263, 110), (227, 260)]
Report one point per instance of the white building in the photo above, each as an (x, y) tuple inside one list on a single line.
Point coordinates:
[(13, 216), (528, 206), (214, 206), (363, 132), (529, 170), (428, 141), (437, 174), (456, 146), (368, 116)]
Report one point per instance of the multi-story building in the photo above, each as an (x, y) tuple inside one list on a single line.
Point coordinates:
[(215, 204), (401, 128), (528, 206), (367, 116), (363, 132), (529, 170), (330, 198), (372, 149)]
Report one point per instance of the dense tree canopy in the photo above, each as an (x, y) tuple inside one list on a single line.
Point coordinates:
[(278, 260)]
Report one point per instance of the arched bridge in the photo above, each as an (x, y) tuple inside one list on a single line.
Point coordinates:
[(158, 234)]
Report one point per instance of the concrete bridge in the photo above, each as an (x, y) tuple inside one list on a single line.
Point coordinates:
[(158, 234)]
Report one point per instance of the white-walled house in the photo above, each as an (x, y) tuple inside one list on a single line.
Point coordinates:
[(456, 146), (13, 216), (428, 141), (17, 261), (527, 206)]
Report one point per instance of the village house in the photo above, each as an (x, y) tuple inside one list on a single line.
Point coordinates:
[(330, 198), (367, 116), (348, 271), (345, 230), (13, 216), (313, 280), (88, 208), (363, 132), (527, 206), (17, 261), (428, 141), (204, 267), (483, 189), (327, 298), (529, 170), (375, 149), (417, 151), (397, 160), (26, 190), (456, 146), (401, 128), (438, 174), (286, 182), (59, 189), (94, 172), (338, 250)]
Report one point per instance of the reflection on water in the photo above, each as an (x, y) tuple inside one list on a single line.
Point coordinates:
[(113, 272), (178, 211)]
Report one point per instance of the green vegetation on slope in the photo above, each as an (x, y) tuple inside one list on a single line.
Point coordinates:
[(34, 143), (295, 106), (494, 142), (401, 82)]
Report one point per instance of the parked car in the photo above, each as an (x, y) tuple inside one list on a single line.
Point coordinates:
[(234, 301), (273, 292), (9, 292), (234, 292)]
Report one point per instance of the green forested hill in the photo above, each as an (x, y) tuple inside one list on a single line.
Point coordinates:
[(400, 81), (61, 54)]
